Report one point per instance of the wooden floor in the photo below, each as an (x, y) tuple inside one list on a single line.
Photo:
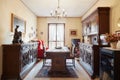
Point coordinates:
[(82, 75)]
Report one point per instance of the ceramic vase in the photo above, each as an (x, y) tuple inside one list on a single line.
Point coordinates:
[(118, 45), (113, 45)]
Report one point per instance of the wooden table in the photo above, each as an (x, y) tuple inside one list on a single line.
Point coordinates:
[(58, 57)]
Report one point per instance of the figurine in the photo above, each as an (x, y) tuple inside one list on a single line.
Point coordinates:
[(17, 36)]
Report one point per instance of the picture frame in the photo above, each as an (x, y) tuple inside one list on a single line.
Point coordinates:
[(17, 21), (73, 32)]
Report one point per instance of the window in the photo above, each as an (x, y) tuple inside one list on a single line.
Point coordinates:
[(56, 35)]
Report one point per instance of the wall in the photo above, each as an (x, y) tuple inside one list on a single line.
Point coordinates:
[(114, 12), (18, 8), (70, 23)]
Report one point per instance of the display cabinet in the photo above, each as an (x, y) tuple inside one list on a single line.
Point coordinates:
[(18, 60), (89, 58), (95, 26)]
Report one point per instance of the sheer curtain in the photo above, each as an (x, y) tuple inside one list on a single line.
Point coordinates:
[(56, 35)]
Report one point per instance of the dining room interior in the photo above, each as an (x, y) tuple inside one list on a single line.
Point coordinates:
[(59, 39)]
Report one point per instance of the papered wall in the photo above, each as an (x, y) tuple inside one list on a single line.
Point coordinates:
[(18, 8), (70, 23)]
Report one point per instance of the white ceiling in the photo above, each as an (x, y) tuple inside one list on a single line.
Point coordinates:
[(74, 8)]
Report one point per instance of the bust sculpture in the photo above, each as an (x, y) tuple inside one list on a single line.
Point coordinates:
[(17, 36)]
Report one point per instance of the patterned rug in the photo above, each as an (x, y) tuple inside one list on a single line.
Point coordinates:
[(44, 73)]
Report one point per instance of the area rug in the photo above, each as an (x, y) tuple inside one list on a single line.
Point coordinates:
[(44, 73)]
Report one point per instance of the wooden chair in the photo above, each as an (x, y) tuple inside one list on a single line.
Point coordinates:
[(72, 57), (46, 59), (74, 51), (73, 60)]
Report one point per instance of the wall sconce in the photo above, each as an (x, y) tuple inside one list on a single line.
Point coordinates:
[(118, 22)]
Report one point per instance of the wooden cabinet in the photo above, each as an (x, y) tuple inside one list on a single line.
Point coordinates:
[(95, 26), (18, 59), (109, 64), (89, 58)]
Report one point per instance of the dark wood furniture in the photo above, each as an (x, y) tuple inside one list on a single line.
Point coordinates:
[(109, 64), (18, 60), (96, 25), (94, 28), (89, 58), (58, 57)]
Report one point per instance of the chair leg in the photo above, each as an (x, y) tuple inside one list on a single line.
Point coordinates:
[(44, 60), (73, 62)]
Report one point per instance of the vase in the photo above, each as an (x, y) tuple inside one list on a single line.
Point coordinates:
[(113, 45), (118, 45)]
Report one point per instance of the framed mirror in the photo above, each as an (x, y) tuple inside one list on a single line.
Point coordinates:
[(17, 21)]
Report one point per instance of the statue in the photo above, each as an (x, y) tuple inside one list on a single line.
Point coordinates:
[(17, 36)]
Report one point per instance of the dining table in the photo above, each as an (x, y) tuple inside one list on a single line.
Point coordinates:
[(58, 58)]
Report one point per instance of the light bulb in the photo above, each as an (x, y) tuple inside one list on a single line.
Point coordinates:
[(118, 23)]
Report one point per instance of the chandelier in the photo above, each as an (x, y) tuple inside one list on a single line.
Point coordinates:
[(58, 12)]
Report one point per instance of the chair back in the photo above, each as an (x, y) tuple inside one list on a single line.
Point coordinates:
[(75, 41), (75, 46)]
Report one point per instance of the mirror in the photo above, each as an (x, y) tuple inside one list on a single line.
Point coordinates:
[(17, 21)]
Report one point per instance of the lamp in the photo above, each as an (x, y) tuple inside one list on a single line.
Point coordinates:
[(118, 22), (58, 12)]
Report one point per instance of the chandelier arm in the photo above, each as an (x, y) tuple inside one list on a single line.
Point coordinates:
[(58, 12), (58, 4)]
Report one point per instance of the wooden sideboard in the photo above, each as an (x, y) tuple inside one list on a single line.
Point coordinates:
[(18, 60), (89, 58), (109, 64)]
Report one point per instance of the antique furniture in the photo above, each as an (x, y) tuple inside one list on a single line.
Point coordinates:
[(95, 26), (58, 57), (89, 58), (18, 60), (109, 64)]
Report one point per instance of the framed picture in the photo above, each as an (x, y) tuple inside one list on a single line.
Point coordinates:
[(117, 32), (73, 32), (17, 21)]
